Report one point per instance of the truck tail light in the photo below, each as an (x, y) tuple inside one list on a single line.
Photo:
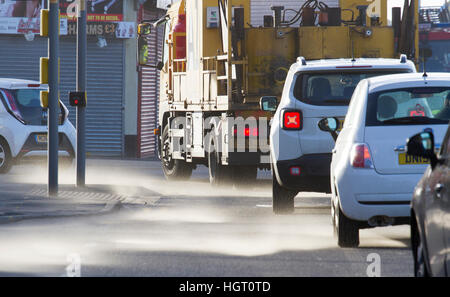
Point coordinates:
[(247, 132), (292, 120), (360, 156)]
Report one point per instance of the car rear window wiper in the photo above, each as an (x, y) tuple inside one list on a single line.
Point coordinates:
[(414, 120)]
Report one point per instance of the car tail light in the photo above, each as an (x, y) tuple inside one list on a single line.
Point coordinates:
[(292, 120), (360, 156), (14, 110)]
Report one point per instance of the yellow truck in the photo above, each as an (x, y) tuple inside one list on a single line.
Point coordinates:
[(215, 69)]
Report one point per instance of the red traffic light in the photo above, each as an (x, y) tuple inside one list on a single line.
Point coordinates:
[(77, 99)]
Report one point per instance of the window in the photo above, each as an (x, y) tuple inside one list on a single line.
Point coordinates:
[(353, 103), (412, 106), (25, 105), (322, 88)]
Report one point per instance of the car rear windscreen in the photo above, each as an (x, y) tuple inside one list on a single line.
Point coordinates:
[(409, 106), (332, 88), (29, 104), (25, 105)]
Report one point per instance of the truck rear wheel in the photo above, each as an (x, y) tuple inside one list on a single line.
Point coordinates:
[(282, 198), (173, 169), (219, 174)]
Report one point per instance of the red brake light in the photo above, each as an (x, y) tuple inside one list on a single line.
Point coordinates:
[(292, 120), (34, 85), (247, 132), (360, 156)]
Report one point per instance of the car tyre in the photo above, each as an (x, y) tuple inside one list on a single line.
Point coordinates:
[(219, 174), (5, 157), (282, 198), (420, 267), (173, 169), (345, 229)]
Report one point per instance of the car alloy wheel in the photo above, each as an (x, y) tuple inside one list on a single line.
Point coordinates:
[(2, 156), (5, 157)]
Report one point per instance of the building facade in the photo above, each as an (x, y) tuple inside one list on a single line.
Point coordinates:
[(112, 79)]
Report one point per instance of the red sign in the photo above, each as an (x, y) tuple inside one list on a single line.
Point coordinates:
[(97, 10)]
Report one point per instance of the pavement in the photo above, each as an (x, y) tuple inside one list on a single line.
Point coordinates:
[(20, 201)]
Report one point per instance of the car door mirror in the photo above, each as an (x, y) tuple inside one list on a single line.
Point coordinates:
[(143, 51), (143, 54), (422, 145), (144, 29), (268, 103), (330, 125), (160, 66)]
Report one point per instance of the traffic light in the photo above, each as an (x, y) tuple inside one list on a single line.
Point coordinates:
[(77, 99), (44, 22), (44, 62), (43, 75)]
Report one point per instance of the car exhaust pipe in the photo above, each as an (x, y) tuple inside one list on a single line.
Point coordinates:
[(381, 221)]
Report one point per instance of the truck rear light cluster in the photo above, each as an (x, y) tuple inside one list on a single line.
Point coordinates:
[(360, 156), (292, 120), (247, 132)]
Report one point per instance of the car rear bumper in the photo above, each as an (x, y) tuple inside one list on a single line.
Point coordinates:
[(34, 148), (365, 194), (314, 173)]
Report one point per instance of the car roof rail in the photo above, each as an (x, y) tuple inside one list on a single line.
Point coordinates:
[(403, 58), (301, 60)]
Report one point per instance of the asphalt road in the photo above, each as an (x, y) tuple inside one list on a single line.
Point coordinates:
[(191, 229)]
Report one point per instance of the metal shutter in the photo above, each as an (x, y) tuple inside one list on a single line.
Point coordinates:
[(20, 59), (105, 89), (149, 92), (260, 8)]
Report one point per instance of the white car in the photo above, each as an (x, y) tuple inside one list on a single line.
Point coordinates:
[(372, 176), (300, 152), (23, 124)]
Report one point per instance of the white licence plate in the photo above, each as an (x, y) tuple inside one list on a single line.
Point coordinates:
[(41, 138)]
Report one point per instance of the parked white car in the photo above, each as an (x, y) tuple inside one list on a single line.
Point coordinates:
[(372, 176), (23, 124), (300, 152)]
